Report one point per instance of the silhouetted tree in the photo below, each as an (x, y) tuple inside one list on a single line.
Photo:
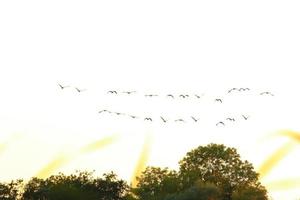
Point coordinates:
[(200, 191), (156, 183), (212, 172), (221, 166), (11, 191), (80, 186), (250, 193)]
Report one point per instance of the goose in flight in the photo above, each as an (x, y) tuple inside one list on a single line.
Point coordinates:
[(148, 119), (194, 119), (184, 95), (151, 95), (118, 113), (170, 95), (163, 119), (179, 120), (230, 119), (267, 93), (198, 96), (63, 87), (220, 123), (133, 116), (219, 100), (80, 90), (112, 92), (232, 89), (244, 89), (101, 111), (129, 92), (245, 117)]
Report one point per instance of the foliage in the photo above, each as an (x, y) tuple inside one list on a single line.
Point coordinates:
[(212, 172), (10, 191), (81, 186), (200, 191), (250, 193), (156, 183), (219, 165)]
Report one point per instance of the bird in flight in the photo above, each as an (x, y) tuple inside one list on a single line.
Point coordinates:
[(112, 92), (197, 96), (80, 90), (101, 111), (220, 123), (267, 93), (230, 119), (184, 95), (118, 113), (244, 89), (148, 119), (179, 120), (63, 87), (151, 95), (245, 117), (133, 116), (164, 120), (129, 92), (194, 119), (232, 89), (170, 95), (219, 100)]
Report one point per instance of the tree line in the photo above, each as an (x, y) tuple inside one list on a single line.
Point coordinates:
[(211, 172)]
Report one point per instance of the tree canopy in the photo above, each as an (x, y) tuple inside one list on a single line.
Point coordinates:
[(214, 164), (211, 172), (79, 186)]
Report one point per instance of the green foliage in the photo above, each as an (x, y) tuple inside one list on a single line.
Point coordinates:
[(220, 165), (212, 172), (201, 191), (250, 193), (156, 183), (80, 186), (10, 191)]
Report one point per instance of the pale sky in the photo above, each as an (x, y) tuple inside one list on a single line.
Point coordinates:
[(152, 47)]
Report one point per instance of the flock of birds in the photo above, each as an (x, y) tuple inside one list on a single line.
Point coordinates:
[(163, 119), (115, 92)]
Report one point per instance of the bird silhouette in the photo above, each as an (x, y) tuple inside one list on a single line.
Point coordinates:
[(194, 119), (244, 89), (133, 116), (179, 120), (220, 123), (63, 87), (170, 95), (129, 92), (80, 90), (232, 89), (230, 119), (184, 95), (151, 95), (219, 100), (101, 111), (197, 96), (148, 119), (112, 92), (267, 93), (245, 117), (163, 119), (118, 113)]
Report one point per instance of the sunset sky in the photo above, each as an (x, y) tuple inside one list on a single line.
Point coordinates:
[(151, 47)]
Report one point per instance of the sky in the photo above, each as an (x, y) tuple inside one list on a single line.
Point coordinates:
[(151, 47)]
